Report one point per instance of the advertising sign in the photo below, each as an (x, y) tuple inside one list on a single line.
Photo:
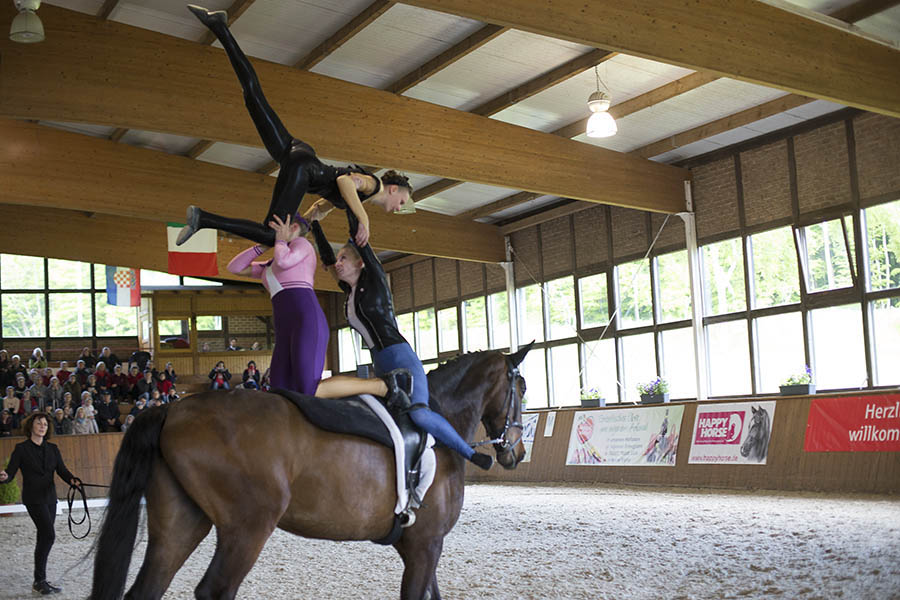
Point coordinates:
[(734, 434), (854, 424), (529, 426), (627, 437)]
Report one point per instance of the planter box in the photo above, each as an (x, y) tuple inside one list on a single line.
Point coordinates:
[(802, 389), (654, 398), (593, 402)]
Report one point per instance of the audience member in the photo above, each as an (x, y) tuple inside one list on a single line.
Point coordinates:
[(255, 346), (133, 378), (68, 405), (6, 424), (172, 397), (36, 385), (164, 385), (219, 377), (4, 368), (91, 387), (129, 419), (204, 347), (109, 358), (81, 372), (232, 345), (13, 405), (101, 374), (72, 387), (64, 372), (81, 425), (118, 384), (90, 413), (90, 361), (266, 383), (108, 414), (139, 406), (152, 370), (30, 403), (170, 373), (62, 425), (53, 394), (47, 375), (20, 386), (37, 360), (145, 385), (251, 376), (141, 357), (16, 368)]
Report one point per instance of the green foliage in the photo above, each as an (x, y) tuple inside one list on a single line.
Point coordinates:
[(594, 304), (776, 280), (829, 266), (634, 293), (9, 491), (674, 286), (656, 386), (590, 393), (883, 225), (723, 266), (803, 378)]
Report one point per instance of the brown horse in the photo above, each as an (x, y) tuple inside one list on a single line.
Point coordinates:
[(248, 462)]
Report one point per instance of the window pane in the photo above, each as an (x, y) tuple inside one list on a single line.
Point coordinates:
[(531, 314), (535, 374), (729, 359), (498, 304), (826, 254), (21, 272), (678, 359), (775, 279), (448, 329), (99, 277), (564, 372), (674, 287), (635, 304), (780, 349), (594, 305), (209, 323), (883, 229), (599, 359), (475, 325), (68, 275), (886, 324), (201, 282), (114, 320), (838, 347), (427, 334), (346, 354), (174, 334), (70, 315), (407, 328), (157, 279), (723, 277), (23, 315), (639, 356), (561, 296)]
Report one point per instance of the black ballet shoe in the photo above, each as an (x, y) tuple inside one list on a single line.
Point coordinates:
[(399, 384), (482, 461), (209, 18), (193, 224)]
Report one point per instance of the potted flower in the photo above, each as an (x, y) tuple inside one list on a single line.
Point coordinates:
[(590, 398), (9, 491), (655, 391), (799, 384)]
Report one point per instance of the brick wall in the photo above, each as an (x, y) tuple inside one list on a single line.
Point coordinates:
[(877, 154), (526, 257), (629, 231), (823, 167), (591, 247), (445, 272), (423, 283), (496, 278), (715, 197), (556, 247), (766, 183), (672, 235), (471, 276), (401, 286)]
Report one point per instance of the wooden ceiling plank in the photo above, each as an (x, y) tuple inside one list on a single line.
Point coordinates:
[(117, 135), (86, 74), (238, 8), (728, 123), (743, 39), (548, 215), (435, 188), (342, 35), (498, 205), (160, 187), (199, 148), (446, 58)]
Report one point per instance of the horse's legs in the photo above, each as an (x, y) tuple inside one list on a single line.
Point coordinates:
[(175, 526), (420, 559), (237, 547)]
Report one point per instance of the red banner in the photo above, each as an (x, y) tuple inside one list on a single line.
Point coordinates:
[(854, 424)]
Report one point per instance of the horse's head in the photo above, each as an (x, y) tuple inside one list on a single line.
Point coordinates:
[(502, 416), (756, 444)]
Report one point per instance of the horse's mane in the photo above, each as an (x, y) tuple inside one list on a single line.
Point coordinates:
[(448, 375)]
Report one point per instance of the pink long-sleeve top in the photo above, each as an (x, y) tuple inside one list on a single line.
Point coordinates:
[(294, 265)]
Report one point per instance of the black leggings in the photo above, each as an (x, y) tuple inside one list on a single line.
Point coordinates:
[(43, 516), (300, 167)]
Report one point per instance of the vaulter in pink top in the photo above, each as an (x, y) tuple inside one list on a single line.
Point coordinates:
[(301, 331)]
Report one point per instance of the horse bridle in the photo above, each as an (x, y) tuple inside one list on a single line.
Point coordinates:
[(500, 441)]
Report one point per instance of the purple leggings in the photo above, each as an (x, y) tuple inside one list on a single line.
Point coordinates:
[(301, 338)]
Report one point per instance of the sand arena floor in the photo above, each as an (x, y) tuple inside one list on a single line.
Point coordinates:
[(564, 542)]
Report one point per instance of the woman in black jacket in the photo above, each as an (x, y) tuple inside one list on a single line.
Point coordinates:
[(39, 460)]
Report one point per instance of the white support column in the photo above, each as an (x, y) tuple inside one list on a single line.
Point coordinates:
[(509, 270), (693, 253)]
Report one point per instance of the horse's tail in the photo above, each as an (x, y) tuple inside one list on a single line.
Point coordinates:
[(131, 473)]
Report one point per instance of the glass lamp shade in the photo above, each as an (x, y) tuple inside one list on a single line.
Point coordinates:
[(26, 28), (600, 125)]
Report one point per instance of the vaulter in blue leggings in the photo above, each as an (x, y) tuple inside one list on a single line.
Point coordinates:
[(370, 312)]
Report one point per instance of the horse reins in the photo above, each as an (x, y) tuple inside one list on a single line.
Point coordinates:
[(512, 395), (78, 488)]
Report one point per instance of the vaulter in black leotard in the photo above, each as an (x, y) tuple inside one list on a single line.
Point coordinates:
[(301, 171)]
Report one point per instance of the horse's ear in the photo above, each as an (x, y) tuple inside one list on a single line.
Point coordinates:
[(517, 357)]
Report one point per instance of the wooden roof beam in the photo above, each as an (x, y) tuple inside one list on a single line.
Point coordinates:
[(85, 73), (853, 13), (743, 39)]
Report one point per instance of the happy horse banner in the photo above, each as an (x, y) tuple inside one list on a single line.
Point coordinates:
[(734, 434), (625, 438), (854, 424), (529, 426)]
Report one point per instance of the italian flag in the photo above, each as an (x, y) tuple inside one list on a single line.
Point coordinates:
[(196, 257)]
